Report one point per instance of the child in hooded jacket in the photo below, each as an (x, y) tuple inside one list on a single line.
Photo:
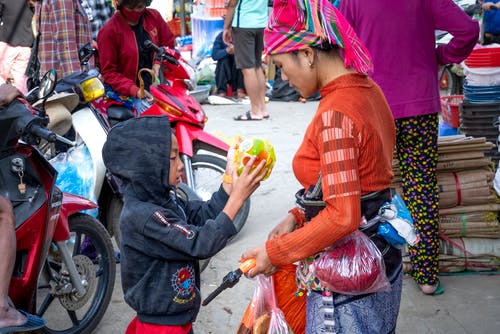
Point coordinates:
[(163, 236)]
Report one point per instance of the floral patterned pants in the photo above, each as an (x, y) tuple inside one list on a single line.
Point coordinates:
[(416, 149)]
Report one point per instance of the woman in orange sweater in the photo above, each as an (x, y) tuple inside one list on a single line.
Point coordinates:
[(349, 144)]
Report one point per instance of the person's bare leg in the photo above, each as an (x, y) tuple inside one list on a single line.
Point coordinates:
[(9, 316), (253, 88), (262, 96)]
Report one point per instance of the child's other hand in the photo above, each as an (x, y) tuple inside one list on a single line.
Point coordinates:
[(244, 185)]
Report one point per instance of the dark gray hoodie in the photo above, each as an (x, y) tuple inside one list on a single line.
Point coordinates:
[(162, 236)]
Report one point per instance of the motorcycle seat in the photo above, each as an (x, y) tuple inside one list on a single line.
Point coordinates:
[(118, 114)]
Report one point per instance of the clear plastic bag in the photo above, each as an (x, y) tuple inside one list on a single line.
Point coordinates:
[(75, 170), (351, 266), (263, 316)]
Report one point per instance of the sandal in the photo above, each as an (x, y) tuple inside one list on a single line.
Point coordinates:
[(247, 117), (32, 323), (437, 291)]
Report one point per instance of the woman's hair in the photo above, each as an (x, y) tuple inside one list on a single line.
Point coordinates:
[(131, 3)]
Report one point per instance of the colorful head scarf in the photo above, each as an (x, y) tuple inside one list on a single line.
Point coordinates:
[(296, 24)]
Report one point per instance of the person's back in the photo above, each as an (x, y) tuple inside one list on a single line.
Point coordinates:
[(251, 14), (64, 28), (401, 39)]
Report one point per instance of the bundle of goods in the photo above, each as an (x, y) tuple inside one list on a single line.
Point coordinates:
[(468, 204), (469, 254)]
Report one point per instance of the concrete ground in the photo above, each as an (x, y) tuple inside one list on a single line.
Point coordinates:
[(470, 304)]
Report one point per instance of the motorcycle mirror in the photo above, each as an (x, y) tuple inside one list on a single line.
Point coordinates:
[(47, 84)]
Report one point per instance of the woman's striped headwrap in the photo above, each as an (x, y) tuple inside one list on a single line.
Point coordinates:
[(296, 24)]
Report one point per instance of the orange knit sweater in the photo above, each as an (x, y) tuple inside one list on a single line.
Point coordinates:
[(350, 140)]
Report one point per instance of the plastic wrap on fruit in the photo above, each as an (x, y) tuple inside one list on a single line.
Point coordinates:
[(245, 149)]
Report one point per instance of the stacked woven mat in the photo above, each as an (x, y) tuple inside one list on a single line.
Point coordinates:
[(468, 205)]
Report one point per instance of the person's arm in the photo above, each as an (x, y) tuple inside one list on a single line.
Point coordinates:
[(488, 5), (66, 35), (227, 36), (6, 212), (341, 192), (465, 31), (203, 239), (219, 49)]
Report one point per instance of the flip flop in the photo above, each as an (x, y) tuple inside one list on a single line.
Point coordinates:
[(248, 117), (32, 323), (266, 117), (439, 290)]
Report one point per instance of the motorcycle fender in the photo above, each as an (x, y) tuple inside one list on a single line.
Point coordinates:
[(71, 204), (94, 136), (187, 135)]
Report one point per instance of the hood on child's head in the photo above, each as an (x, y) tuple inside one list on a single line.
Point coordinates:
[(138, 152)]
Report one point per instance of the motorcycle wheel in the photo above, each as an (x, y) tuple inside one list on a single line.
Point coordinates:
[(207, 171), (93, 255), (116, 205)]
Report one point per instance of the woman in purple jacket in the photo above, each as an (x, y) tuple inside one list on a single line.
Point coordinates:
[(400, 37)]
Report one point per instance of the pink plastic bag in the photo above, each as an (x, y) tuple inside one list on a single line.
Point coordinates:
[(267, 317), (352, 266)]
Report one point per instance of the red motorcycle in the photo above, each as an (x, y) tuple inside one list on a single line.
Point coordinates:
[(65, 266), (203, 155)]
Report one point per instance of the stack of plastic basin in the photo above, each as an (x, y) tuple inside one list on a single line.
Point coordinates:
[(480, 110)]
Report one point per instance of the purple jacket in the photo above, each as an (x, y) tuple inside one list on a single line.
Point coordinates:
[(400, 36)]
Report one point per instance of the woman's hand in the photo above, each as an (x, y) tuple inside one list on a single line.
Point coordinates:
[(147, 95), (156, 69), (287, 225), (263, 263)]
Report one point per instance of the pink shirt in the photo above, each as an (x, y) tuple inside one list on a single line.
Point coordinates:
[(400, 36)]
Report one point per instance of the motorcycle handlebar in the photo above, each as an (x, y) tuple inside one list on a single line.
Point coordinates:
[(160, 52), (43, 133), (150, 45)]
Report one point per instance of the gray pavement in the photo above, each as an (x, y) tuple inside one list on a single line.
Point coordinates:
[(470, 304)]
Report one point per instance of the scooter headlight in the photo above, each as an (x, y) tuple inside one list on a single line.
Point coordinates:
[(92, 89)]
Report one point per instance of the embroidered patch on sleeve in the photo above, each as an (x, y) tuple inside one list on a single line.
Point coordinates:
[(159, 217)]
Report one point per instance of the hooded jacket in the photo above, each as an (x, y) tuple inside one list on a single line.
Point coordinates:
[(162, 235)]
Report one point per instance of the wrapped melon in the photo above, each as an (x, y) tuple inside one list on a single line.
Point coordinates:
[(247, 148)]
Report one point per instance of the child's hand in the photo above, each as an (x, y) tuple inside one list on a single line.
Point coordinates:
[(243, 186)]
